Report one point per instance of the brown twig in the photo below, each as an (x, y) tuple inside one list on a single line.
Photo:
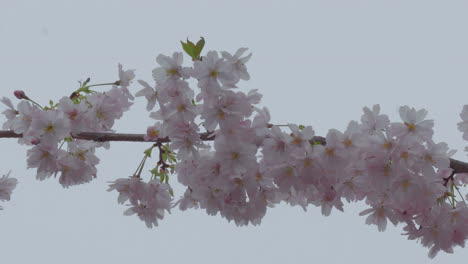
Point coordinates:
[(457, 165)]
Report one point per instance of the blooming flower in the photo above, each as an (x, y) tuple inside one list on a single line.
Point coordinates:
[(237, 156), (50, 125), (76, 113), (106, 108), (147, 200), (125, 79), (6, 187), (74, 171), (24, 117), (378, 216), (44, 157), (171, 68), (213, 69), (10, 113), (372, 121), (149, 93), (413, 124), (154, 132), (238, 63)]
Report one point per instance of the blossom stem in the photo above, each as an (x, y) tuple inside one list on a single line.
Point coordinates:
[(101, 84), (32, 101), (139, 169), (143, 161), (458, 191)]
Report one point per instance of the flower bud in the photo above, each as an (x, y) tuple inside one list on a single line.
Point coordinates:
[(35, 141), (20, 94)]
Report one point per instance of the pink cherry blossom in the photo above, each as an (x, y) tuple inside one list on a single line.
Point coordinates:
[(44, 157), (9, 113), (150, 93), (372, 121), (171, 68), (50, 126), (213, 69), (125, 79), (238, 63), (413, 124), (6, 187), (147, 200)]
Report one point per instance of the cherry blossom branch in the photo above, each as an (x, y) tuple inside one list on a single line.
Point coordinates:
[(104, 137), (457, 165)]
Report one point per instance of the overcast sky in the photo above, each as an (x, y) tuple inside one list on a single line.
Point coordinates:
[(316, 63)]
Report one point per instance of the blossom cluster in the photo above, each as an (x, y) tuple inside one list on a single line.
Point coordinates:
[(147, 200), (396, 168), (47, 129)]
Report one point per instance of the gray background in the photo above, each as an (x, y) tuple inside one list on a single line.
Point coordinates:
[(316, 62)]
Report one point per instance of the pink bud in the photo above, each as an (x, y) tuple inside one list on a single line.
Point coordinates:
[(20, 94), (35, 141)]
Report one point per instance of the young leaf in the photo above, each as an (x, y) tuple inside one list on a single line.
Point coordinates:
[(199, 46), (193, 50)]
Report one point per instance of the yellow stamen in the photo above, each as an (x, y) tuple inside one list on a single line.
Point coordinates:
[(348, 142), (239, 181), (45, 155), (171, 72), (180, 108), (330, 151), (297, 141), (380, 212), (81, 156), (100, 115), (429, 158), (49, 128), (154, 133), (404, 155), (214, 74), (405, 185), (387, 145), (73, 115), (258, 176), (221, 115), (411, 127), (387, 169)]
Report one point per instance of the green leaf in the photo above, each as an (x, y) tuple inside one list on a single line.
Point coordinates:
[(148, 152), (189, 48), (199, 46), (301, 127), (166, 148), (313, 142), (193, 50), (173, 158), (154, 171)]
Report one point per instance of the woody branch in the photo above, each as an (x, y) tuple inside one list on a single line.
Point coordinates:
[(457, 165)]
